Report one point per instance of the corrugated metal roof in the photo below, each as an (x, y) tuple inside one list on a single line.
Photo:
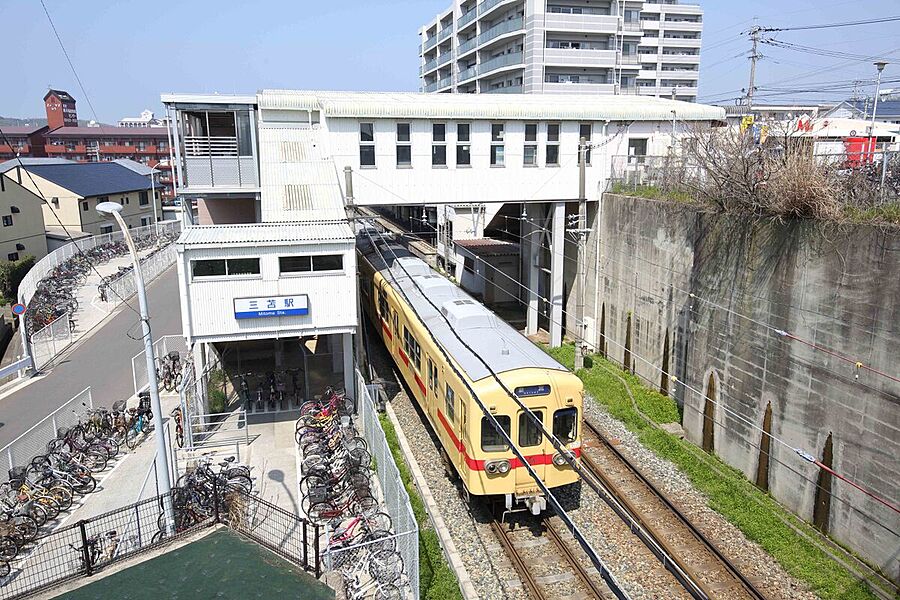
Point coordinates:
[(298, 180), (409, 105), (489, 247), (266, 234)]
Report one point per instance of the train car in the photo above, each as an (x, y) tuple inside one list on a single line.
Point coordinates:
[(388, 276)]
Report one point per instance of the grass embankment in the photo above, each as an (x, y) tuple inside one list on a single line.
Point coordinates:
[(650, 192), (730, 494), (436, 580)]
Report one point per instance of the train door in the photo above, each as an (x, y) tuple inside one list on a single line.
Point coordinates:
[(530, 442)]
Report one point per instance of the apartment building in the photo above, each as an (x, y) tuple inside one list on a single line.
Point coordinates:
[(563, 47), (22, 220)]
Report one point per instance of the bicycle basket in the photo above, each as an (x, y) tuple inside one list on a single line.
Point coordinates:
[(174, 355), (119, 405), (144, 401), (62, 432)]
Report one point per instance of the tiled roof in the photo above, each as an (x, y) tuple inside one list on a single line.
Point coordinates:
[(92, 179)]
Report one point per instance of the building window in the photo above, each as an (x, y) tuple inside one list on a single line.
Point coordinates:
[(529, 433), (463, 149), (225, 267), (143, 198), (7, 220), (449, 402), (530, 144), (106, 229), (404, 149), (367, 144), (584, 131), (497, 153), (411, 347), (553, 143), (637, 150), (145, 221), (491, 440), (438, 145), (308, 264), (12, 256), (84, 206)]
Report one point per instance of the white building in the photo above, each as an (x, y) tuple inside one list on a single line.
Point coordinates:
[(563, 46), (270, 175), (145, 120)]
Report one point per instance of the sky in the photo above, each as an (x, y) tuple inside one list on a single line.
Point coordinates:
[(127, 53)]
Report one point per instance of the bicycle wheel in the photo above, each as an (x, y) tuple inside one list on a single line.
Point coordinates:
[(238, 483), (158, 537), (99, 449), (379, 520), (50, 505), (38, 513), (84, 482), (365, 504), (62, 495), (179, 437), (4, 569), (386, 566), (94, 461), (320, 512), (176, 380), (388, 591), (380, 540), (26, 527), (131, 438), (110, 444), (8, 549)]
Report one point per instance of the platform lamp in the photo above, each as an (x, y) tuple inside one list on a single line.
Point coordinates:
[(112, 211), (880, 65)]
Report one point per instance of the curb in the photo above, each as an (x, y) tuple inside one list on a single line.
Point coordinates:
[(447, 544)]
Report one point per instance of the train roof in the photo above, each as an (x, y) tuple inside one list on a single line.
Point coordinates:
[(501, 346)]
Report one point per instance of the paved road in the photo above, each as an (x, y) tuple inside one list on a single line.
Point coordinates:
[(103, 361)]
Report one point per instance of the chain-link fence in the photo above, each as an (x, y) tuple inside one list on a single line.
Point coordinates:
[(394, 498), (33, 442)]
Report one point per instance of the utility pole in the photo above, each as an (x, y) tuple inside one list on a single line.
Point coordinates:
[(754, 56), (582, 258)]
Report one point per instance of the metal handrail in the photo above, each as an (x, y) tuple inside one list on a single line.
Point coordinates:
[(500, 61), (195, 145)]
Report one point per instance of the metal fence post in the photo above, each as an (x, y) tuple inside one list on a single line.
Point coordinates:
[(316, 549), (85, 551), (216, 498), (305, 547)]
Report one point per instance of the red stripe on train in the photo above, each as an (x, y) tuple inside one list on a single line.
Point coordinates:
[(403, 356), (386, 329), (420, 384)]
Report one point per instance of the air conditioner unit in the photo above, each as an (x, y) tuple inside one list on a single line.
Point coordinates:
[(20, 246), (14, 209)]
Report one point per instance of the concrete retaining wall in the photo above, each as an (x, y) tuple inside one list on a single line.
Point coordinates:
[(835, 287)]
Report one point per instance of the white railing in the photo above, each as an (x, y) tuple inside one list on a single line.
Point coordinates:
[(393, 495), (33, 442), (161, 348), (203, 145), (52, 339), (504, 60), (152, 267)]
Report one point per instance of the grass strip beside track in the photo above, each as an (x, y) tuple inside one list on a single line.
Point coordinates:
[(436, 580), (729, 493)]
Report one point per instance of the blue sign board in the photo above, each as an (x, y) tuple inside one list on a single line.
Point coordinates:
[(271, 306), (532, 390)]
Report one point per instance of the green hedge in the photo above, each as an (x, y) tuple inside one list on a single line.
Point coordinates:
[(11, 274), (730, 494), (436, 580)]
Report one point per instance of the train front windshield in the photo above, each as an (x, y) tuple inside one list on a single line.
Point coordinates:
[(565, 425)]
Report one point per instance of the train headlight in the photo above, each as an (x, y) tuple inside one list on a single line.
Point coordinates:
[(561, 460), (497, 467)]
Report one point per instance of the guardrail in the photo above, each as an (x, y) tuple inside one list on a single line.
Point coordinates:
[(52, 339), (151, 266), (33, 442)]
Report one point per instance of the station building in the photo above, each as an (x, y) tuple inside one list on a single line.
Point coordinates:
[(272, 173)]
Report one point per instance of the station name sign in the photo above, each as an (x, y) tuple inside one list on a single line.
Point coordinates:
[(271, 306)]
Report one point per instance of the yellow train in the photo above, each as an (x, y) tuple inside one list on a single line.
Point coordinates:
[(485, 464)]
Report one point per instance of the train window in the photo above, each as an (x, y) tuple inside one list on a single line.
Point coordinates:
[(565, 425), (382, 304), (432, 376), (449, 402), (491, 440), (529, 433), (413, 351), (396, 327)]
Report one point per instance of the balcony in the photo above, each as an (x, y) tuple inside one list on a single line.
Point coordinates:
[(578, 88), (429, 43), (632, 27), (214, 162), (500, 62), (466, 74), (630, 59), (691, 59), (513, 89), (568, 57), (467, 18), (489, 5), (439, 85), (445, 33), (668, 25), (587, 23), (680, 42)]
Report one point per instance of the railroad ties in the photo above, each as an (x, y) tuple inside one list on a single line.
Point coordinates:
[(711, 572)]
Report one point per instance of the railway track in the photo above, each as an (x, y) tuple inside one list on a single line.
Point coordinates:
[(547, 564), (698, 563)]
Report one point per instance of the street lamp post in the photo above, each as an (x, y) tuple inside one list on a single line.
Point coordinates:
[(112, 210), (153, 173), (880, 66)]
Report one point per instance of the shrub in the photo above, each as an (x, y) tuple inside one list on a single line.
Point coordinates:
[(11, 274), (217, 401)]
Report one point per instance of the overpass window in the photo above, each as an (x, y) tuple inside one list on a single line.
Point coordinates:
[(308, 264), (225, 266), (497, 147), (367, 144), (530, 144), (529, 433), (565, 425), (404, 145), (553, 143), (463, 149), (491, 440)]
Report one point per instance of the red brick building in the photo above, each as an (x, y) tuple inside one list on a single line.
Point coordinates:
[(63, 138)]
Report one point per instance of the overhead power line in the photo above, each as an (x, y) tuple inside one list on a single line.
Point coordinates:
[(833, 25)]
